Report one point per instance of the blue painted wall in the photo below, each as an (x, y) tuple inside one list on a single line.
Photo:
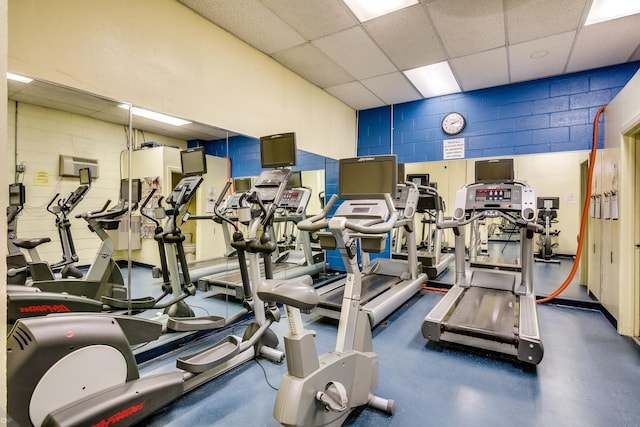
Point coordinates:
[(541, 116)]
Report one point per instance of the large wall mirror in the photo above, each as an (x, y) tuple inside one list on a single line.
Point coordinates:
[(46, 121), (555, 176)]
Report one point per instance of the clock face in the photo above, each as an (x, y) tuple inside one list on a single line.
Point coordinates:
[(453, 123)]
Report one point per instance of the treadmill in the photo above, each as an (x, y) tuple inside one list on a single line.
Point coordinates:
[(386, 283), (493, 310)]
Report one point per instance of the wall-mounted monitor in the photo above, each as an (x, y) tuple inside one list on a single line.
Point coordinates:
[(16, 194), (494, 171), (548, 202), (85, 176), (136, 190), (295, 180), (242, 184), (278, 150), (193, 161), (419, 178), (367, 177)]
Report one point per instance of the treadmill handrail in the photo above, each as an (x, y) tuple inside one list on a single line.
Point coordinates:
[(520, 222)]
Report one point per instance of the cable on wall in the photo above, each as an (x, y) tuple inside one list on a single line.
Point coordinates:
[(585, 213)]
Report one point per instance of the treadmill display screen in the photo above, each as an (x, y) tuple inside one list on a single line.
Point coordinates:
[(493, 194)]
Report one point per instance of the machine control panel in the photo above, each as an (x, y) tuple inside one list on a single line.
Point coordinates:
[(495, 197), (295, 200), (363, 211)]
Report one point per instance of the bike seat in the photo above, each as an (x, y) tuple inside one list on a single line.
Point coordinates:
[(30, 243), (296, 292)]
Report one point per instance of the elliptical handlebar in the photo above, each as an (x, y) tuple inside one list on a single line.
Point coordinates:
[(144, 205), (93, 214), (53, 199), (216, 207), (318, 222)]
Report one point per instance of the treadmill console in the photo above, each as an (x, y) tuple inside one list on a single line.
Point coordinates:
[(295, 201), (496, 197)]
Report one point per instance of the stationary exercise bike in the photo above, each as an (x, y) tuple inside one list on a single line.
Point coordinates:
[(323, 390)]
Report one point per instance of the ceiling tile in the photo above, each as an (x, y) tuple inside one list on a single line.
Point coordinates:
[(481, 70), (356, 53), (525, 67), (468, 27), (607, 43), (392, 88), (312, 18), (355, 95), (542, 18), (312, 64), (407, 37), (249, 20)]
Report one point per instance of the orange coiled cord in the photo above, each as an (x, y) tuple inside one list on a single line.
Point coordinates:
[(585, 213)]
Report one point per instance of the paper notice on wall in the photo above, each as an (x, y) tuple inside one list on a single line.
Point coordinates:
[(614, 205), (453, 149), (41, 178), (606, 208)]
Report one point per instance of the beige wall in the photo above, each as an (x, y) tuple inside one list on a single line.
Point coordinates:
[(160, 55), (550, 175), (612, 259)]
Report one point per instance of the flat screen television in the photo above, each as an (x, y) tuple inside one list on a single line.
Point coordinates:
[(295, 180), (548, 202), (278, 150), (242, 184), (136, 190), (494, 171), (419, 178), (16, 194), (367, 177), (193, 161), (85, 176)]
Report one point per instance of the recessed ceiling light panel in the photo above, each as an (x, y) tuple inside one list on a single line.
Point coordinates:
[(18, 78), (606, 10), (155, 116), (369, 9), (433, 80)]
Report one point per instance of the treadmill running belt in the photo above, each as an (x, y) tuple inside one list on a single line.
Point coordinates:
[(372, 286), (486, 313)]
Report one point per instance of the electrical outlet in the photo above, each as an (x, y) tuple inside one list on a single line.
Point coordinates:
[(21, 167)]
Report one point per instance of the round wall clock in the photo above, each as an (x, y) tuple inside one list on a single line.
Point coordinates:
[(453, 123)]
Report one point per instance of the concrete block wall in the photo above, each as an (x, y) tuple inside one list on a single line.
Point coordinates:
[(541, 116)]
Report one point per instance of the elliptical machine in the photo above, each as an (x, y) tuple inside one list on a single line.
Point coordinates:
[(89, 356)]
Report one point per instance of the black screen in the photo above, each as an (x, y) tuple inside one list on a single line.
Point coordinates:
[(16, 194), (278, 150), (494, 171), (367, 177), (419, 178), (295, 180), (136, 190), (548, 202), (85, 176), (193, 161), (242, 184)]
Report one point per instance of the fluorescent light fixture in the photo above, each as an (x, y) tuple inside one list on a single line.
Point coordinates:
[(18, 78), (433, 80), (369, 9), (606, 10), (155, 116)]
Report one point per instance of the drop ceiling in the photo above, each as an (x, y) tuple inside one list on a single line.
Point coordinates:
[(486, 42)]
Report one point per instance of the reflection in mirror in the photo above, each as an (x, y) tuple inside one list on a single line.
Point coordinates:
[(550, 175)]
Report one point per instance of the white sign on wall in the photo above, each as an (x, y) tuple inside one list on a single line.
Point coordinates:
[(453, 149)]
